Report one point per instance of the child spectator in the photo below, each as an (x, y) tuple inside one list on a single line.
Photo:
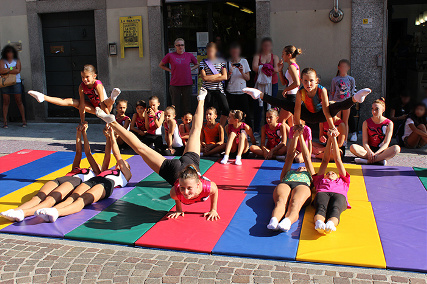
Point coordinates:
[(212, 136), (415, 133), (173, 140), (185, 127), (137, 124)]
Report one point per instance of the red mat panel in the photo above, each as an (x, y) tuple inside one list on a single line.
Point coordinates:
[(20, 158), (192, 232)]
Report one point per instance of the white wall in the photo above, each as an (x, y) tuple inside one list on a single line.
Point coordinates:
[(14, 28), (132, 72), (306, 25)]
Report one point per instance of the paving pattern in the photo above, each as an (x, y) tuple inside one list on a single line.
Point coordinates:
[(40, 260)]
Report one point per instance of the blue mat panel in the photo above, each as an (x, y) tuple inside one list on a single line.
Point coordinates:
[(27, 174), (247, 233)]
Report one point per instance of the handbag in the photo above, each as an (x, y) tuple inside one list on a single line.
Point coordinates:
[(7, 79)]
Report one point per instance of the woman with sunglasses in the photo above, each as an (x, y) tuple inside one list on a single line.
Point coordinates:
[(181, 81)]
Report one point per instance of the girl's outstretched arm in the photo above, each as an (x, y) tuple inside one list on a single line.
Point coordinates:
[(93, 164), (213, 215), (337, 157), (326, 157), (107, 155), (82, 106), (78, 156), (116, 152), (289, 156), (306, 155), (178, 209)]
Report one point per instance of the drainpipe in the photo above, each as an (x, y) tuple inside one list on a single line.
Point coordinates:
[(336, 14)]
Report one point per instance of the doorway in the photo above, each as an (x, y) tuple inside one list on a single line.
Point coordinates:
[(224, 22), (407, 51), (69, 43)]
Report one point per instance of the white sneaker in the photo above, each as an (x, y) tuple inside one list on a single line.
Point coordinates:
[(353, 137)]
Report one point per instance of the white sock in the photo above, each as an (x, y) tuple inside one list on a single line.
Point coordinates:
[(273, 224), (115, 93), (361, 161), (254, 93), (224, 160), (361, 95), (238, 160), (285, 225), (320, 226), (330, 227), (7, 214), (17, 215), (37, 95), (383, 162), (108, 118), (202, 94), (48, 214)]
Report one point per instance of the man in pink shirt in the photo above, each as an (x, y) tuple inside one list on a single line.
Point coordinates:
[(181, 80)]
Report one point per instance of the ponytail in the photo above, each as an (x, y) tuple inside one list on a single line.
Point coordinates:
[(189, 171), (290, 49), (238, 114)]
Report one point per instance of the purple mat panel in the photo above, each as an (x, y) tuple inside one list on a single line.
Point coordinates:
[(403, 232), (36, 227), (393, 184)]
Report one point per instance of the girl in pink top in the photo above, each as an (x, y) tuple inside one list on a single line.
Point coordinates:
[(90, 87), (331, 190)]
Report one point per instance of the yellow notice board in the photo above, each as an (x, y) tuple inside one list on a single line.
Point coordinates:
[(131, 34)]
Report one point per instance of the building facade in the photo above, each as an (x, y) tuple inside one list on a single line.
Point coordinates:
[(58, 36)]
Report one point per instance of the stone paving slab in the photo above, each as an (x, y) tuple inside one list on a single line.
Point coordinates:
[(25, 259)]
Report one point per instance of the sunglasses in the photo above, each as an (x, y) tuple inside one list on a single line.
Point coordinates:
[(179, 45)]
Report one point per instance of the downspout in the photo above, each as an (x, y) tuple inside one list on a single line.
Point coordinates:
[(336, 14)]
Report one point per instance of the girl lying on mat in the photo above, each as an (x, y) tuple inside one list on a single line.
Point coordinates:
[(56, 190), (96, 188), (294, 191), (331, 190), (180, 173)]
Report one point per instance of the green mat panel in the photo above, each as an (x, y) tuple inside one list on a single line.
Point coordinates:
[(422, 175), (130, 217)]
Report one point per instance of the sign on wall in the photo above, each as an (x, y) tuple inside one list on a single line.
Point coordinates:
[(131, 34)]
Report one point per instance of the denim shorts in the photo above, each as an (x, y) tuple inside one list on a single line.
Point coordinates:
[(12, 90)]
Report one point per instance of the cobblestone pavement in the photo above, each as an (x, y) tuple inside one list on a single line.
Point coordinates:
[(41, 260)]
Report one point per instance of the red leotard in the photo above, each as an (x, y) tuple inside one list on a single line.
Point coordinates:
[(274, 137), (92, 93), (140, 123), (237, 130), (203, 196), (376, 132), (152, 125), (122, 120)]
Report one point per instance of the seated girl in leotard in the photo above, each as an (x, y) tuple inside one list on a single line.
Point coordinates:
[(174, 144), (212, 136), (92, 88), (294, 190), (137, 124), (377, 132), (331, 190), (237, 132), (122, 118), (185, 127), (55, 191), (174, 170), (319, 148), (97, 188), (312, 104), (273, 137)]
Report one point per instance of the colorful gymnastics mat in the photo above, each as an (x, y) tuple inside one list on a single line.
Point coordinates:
[(386, 227)]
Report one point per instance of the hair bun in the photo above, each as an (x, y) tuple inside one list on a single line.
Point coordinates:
[(382, 99), (298, 51)]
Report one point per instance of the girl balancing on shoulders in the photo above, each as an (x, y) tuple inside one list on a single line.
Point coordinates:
[(180, 173), (90, 87)]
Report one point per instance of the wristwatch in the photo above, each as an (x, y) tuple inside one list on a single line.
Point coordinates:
[(11, 68)]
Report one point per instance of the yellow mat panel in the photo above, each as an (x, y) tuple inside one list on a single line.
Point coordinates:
[(356, 241), (16, 198)]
